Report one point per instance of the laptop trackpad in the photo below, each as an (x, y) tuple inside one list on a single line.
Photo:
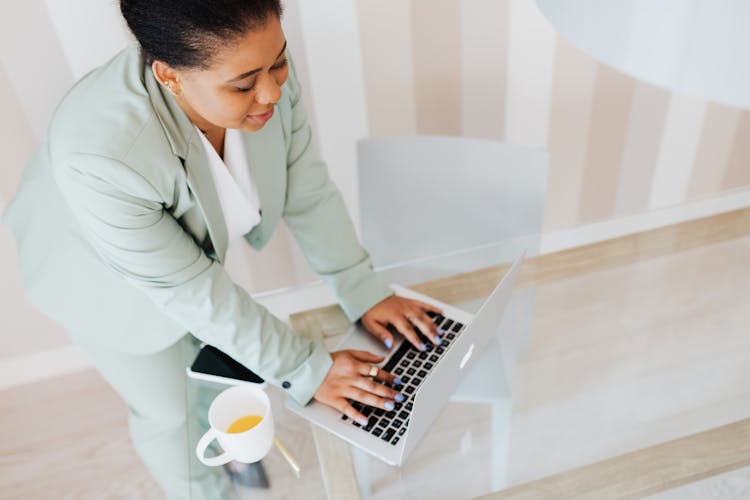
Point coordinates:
[(357, 337)]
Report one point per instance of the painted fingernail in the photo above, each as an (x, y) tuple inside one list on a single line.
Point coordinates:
[(388, 343), (422, 347), (399, 398), (440, 331), (439, 340), (363, 421), (398, 381), (389, 406)]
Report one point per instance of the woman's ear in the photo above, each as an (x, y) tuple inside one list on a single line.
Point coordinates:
[(167, 76)]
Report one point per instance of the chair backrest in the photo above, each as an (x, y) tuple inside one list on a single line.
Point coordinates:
[(424, 196)]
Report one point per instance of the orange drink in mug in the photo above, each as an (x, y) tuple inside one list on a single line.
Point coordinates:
[(242, 422)]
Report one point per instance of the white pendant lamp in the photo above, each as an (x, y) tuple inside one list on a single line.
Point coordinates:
[(700, 47)]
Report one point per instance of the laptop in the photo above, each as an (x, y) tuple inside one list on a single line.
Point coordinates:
[(430, 377)]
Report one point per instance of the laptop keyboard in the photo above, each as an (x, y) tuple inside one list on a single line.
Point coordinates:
[(412, 365)]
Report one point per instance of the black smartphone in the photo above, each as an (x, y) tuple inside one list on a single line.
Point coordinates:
[(213, 365)]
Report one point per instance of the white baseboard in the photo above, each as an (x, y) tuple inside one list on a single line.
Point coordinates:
[(56, 362), (556, 241), (43, 365), (68, 359)]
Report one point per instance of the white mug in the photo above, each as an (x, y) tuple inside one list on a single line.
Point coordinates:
[(228, 406)]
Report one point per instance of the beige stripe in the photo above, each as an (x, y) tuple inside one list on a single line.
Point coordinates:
[(570, 111), (437, 45), (388, 66), (715, 145), (484, 57), (738, 168), (645, 126), (16, 138), (613, 94)]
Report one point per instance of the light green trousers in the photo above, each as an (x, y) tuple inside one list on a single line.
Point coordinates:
[(168, 415)]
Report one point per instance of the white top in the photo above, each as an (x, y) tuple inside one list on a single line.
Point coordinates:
[(234, 184)]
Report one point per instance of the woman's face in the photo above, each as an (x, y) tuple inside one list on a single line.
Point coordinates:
[(242, 85)]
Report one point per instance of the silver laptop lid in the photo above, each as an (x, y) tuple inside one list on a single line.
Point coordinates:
[(441, 382)]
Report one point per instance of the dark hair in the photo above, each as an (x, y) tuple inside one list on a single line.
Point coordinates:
[(188, 33)]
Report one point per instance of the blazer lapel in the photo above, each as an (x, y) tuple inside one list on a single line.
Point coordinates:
[(266, 154), (185, 143), (201, 183)]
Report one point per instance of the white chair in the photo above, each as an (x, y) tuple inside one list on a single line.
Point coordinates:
[(442, 205), (426, 196)]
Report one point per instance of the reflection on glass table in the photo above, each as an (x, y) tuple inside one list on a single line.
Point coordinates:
[(470, 438), (272, 477), (613, 348), (427, 376)]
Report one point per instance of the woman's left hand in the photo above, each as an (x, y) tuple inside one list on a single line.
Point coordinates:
[(404, 314)]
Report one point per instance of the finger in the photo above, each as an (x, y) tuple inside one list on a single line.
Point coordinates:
[(380, 332), (426, 306), (406, 329), (373, 387), (366, 369), (347, 409), (428, 327), (366, 356), (369, 398), (388, 377)]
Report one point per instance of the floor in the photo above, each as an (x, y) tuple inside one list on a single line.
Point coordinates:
[(68, 438)]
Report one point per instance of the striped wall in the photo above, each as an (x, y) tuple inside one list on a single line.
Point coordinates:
[(478, 68), (496, 68)]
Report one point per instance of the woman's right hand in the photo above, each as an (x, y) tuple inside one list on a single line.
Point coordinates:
[(349, 379)]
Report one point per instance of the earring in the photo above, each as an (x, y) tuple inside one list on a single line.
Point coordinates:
[(170, 86)]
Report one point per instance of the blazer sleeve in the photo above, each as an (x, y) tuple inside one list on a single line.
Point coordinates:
[(317, 217), (122, 217)]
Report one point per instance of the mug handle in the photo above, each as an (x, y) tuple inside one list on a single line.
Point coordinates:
[(200, 451)]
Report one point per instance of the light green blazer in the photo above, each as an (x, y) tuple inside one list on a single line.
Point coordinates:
[(121, 236)]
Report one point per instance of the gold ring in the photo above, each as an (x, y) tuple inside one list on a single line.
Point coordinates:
[(373, 371)]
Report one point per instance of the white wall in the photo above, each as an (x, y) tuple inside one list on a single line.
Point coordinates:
[(41, 55)]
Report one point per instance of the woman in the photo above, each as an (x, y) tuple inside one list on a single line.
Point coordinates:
[(151, 164)]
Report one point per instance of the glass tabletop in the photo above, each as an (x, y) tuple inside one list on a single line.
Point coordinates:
[(272, 477), (600, 353), (585, 367)]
